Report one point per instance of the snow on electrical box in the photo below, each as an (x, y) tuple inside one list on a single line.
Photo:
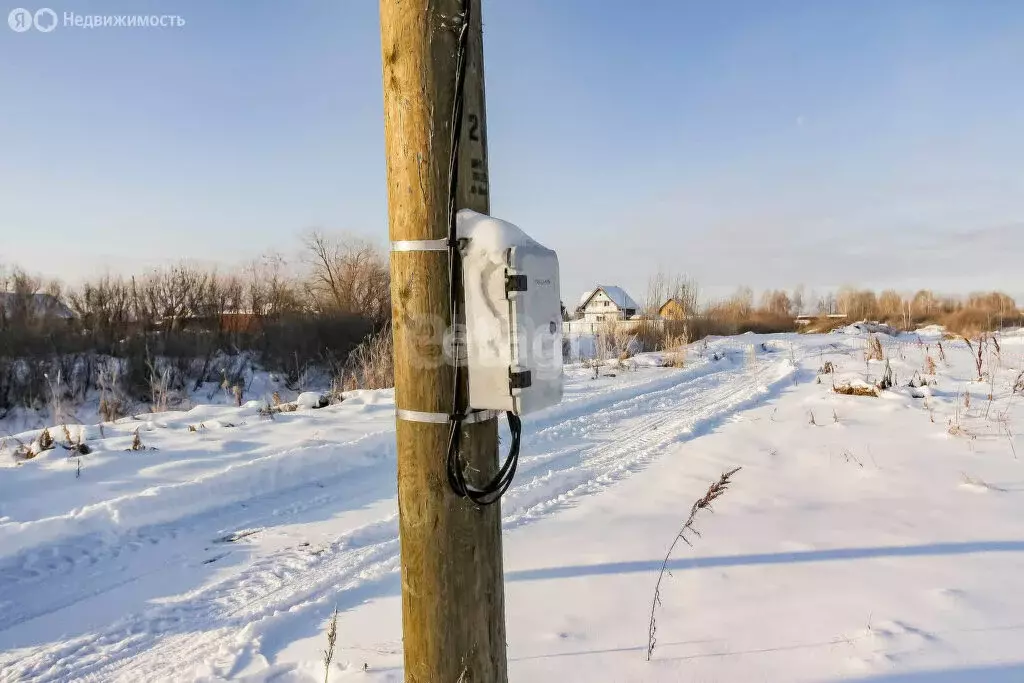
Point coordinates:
[(513, 316)]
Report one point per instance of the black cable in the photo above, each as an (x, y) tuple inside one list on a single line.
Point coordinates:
[(501, 482), (496, 488)]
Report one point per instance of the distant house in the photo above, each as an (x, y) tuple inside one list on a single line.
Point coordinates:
[(44, 306), (672, 309), (605, 303)]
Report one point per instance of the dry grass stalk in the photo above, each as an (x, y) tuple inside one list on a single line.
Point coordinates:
[(929, 365), (675, 351), (46, 441), (850, 457), (674, 360), (980, 483), (332, 638), (22, 451), (874, 349), (858, 390), (268, 411), (336, 393), (159, 388), (137, 444), (955, 428), (714, 492), (75, 446), (371, 365), (979, 356), (888, 380), (112, 409)]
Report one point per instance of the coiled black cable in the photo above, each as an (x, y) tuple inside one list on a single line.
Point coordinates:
[(500, 483)]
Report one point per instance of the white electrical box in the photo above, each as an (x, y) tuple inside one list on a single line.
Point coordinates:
[(513, 315)]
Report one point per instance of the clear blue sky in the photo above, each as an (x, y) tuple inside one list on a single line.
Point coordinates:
[(765, 142)]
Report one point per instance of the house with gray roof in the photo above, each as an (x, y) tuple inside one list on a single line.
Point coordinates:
[(607, 303)]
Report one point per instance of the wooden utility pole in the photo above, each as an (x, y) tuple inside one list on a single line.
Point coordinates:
[(453, 601)]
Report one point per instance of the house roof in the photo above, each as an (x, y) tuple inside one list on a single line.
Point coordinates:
[(617, 294), (41, 305), (673, 300)]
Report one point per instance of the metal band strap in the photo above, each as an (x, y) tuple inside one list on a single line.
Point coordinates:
[(443, 418), (420, 245)]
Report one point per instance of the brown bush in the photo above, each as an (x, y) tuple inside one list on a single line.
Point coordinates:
[(719, 320), (968, 322), (371, 365), (850, 390), (873, 349)]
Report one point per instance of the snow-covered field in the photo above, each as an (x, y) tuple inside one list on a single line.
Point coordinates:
[(867, 539)]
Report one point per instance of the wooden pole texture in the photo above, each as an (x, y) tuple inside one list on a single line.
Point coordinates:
[(453, 604)]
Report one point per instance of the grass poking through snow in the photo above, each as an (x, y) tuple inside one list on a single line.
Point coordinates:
[(714, 492)]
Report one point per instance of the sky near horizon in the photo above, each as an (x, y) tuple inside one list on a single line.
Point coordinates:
[(766, 143)]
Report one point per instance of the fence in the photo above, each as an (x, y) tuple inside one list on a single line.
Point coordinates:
[(571, 328)]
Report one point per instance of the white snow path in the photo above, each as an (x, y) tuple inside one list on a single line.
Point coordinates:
[(217, 629)]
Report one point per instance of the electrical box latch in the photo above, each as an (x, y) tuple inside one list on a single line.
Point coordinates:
[(515, 282), (522, 379)]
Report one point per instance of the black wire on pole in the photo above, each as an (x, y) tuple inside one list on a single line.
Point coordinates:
[(497, 486)]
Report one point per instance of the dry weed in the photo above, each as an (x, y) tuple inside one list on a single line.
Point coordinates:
[(46, 441), (714, 492), (855, 390), (332, 639), (874, 349), (137, 444), (371, 365)]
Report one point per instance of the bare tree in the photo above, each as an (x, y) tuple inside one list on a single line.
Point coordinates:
[(680, 289), (890, 306), (776, 302), (348, 275), (798, 300), (857, 304), (270, 288), (19, 300), (924, 304)]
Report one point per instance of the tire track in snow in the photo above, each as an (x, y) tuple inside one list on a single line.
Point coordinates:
[(219, 625), (66, 563), (62, 569), (69, 550)]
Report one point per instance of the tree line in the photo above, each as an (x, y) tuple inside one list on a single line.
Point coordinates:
[(776, 310), (284, 314)]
